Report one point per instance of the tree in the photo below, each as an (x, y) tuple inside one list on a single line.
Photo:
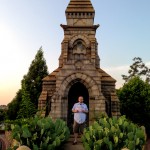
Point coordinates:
[(33, 80), (134, 99), (138, 68), (2, 115), (13, 106), (27, 108), (31, 87)]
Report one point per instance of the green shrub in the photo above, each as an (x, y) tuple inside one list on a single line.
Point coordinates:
[(20, 122), (113, 134), (41, 133)]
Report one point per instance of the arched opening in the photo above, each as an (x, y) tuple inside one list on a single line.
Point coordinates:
[(79, 49), (76, 90)]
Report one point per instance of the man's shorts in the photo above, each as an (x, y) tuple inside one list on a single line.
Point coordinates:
[(78, 128)]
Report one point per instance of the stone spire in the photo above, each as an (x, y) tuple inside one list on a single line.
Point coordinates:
[(80, 6), (80, 13)]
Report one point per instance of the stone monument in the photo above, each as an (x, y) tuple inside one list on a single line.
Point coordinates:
[(79, 72)]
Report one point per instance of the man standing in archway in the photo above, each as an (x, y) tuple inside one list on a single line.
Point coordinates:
[(80, 110)]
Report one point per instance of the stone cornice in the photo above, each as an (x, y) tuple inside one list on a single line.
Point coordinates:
[(65, 27)]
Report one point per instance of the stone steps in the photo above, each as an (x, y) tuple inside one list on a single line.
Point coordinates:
[(68, 145)]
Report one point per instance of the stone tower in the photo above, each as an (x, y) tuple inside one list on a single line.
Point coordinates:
[(79, 71)]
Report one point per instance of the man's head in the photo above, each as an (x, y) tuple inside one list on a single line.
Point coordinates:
[(80, 99)]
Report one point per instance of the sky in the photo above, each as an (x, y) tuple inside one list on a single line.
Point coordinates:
[(26, 25)]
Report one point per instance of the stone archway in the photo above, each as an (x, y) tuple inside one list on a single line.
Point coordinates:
[(96, 98), (76, 90), (76, 37)]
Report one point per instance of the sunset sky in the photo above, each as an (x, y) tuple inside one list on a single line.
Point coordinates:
[(26, 25)]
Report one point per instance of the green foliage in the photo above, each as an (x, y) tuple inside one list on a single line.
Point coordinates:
[(113, 134), (9, 123), (31, 87), (41, 133), (100, 115), (2, 115), (32, 81), (14, 105), (27, 108), (138, 68), (134, 99)]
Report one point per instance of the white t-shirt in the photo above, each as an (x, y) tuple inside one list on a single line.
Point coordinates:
[(80, 116)]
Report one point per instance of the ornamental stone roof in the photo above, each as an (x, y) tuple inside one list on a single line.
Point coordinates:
[(80, 6)]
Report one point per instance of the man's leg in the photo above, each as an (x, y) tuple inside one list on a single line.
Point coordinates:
[(75, 130), (82, 126), (75, 137)]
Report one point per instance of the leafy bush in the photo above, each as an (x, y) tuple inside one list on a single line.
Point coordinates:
[(113, 134), (134, 99), (9, 123), (41, 133)]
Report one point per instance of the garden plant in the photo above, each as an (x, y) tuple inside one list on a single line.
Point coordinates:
[(40, 133), (113, 134)]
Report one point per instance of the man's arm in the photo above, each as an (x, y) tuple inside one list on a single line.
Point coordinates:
[(74, 110), (85, 110)]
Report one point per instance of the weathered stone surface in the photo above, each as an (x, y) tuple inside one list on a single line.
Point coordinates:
[(79, 64)]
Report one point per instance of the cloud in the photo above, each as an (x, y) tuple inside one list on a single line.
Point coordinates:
[(123, 68), (117, 71), (148, 64), (118, 68)]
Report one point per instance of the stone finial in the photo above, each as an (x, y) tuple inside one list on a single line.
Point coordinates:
[(80, 6)]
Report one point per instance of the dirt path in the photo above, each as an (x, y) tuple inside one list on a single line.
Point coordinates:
[(69, 146)]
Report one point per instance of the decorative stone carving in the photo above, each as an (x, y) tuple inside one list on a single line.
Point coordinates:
[(79, 47), (79, 65), (79, 22), (79, 36)]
